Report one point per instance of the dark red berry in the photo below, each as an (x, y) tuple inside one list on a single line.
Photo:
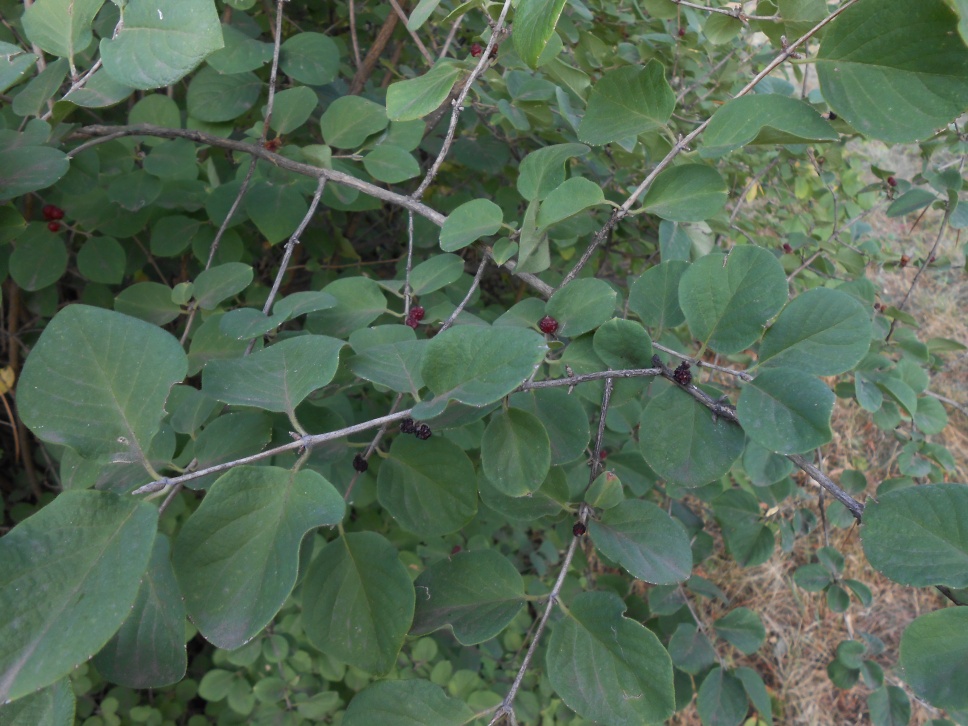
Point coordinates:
[(360, 464), (417, 313), (603, 454), (878, 307), (787, 248), (455, 549), (891, 181), (931, 259), (682, 32), (579, 529), (682, 374), (412, 322), (476, 50), (52, 212), (548, 325), (423, 432), (407, 426), (53, 226), (903, 262)]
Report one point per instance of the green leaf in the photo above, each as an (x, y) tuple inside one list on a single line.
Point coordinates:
[(277, 378), (33, 98), (215, 98), (409, 702), (654, 296), (821, 331), (690, 649), (149, 649), (229, 437), (429, 487), (764, 118), (478, 365), (934, 658), (727, 300), (644, 540), (889, 82), (394, 365), (359, 302), (358, 602), (741, 628), (391, 164), (115, 381), (930, 417), (161, 42), (27, 167), (416, 97), (748, 540), (682, 443), (582, 305), (568, 199), (563, 418), (148, 301), (40, 258), (812, 577), (310, 58), (435, 273), (623, 344), (234, 576), (721, 700), (349, 120), (477, 594), (543, 170), (786, 411), (241, 53), (54, 704), (14, 66), (61, 27), (276, 209), (756, 690), (534, 24), (889, 706), (919, 535), (220, 282), (469, 222), (609, 668), (69, 575), (424, 10), (627, 102), (515, 452), (292, 108), (686, 193)]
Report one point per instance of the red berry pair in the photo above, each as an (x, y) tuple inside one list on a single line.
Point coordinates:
[(415, 315), (52, 213)]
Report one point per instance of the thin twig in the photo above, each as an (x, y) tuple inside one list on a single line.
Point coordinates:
[(407, 289), (372, 447), (855, 507), (922, 268), (353, 37), (683, 144), (458, 103), (450, 37), (463, 303), (416, 39), (703, 364)]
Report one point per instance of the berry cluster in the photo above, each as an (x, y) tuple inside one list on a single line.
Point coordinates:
[(415, 315), (52, 214), (360, 464), (421, 431), (682, 375), (548, 325), (579, 529)]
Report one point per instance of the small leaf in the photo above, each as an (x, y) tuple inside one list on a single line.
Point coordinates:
[(61, 27), (215, 98), (748, 540), (416, 97), (623, 344), (515, 452), (235, 578), (568, 199), (919, 535), (627, 102), (476, 593), (310, 58), (934, 658), (292, 108), (721, 700), (889, 706), (654, 296), (741, 628), (609, 668), (435, 273), (686, 193), (644, 540), (562, 416), (405, 703), (542, 171), (582, 305), (349, 120), (220, 282), (727, 301), (534, 24), (69, 575), (764, 118), (786, 411), (358, 602), (469, 222), (391, 164)]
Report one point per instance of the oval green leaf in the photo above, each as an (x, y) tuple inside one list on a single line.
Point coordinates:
[(408, 702), (687, 193), (934, 658), (786, 411), (515, 452), (627, 102), (582, 305), (469, 222), (416, 97), (568, 199)]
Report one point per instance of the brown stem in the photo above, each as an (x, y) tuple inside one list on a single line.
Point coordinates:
[(373, 55)]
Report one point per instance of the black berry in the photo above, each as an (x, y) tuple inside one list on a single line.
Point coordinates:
[(407, 426), (548, 325), (682, 374), (53, 226), (52, 212), (360, 464), (423, 432), (476, 50), (579, 529)]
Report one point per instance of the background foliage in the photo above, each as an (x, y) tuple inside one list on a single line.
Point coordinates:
[(413, 363)]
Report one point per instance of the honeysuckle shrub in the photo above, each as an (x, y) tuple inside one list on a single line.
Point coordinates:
[(376, 352)]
